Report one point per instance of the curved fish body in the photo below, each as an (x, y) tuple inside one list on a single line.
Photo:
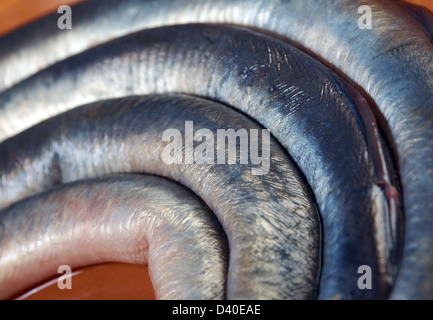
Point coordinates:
[(271, 221), (131, 218), (392, 62), (325, 27), (303, 104)]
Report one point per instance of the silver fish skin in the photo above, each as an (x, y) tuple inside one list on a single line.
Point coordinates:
[(392, 62), (136, 219), (303, 104), (271, 220)]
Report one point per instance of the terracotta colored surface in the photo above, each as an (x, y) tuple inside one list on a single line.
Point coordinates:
[(110, 281), (426, 3), (106, 281), (14, 13)]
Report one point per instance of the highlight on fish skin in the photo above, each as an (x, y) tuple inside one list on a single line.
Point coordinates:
[(125, 218), (344, 88)]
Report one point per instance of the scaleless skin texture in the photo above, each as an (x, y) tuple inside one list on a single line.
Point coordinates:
[(271, 220), (124, 218), (304, 105), (392, 63)]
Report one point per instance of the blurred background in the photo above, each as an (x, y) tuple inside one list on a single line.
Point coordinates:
[(15, 13), (105, 281)]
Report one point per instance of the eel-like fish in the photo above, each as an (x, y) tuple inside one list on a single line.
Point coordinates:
[(126, 218), (271, 220), (392, 62), (302, 102)]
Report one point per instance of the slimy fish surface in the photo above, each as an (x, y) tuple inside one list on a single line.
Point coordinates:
[(125, 218)]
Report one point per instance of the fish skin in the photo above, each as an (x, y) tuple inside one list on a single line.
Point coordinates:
[(311, 24), (271, 220), (125, 218), (392, 63), (303, 103), (422, 15)]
